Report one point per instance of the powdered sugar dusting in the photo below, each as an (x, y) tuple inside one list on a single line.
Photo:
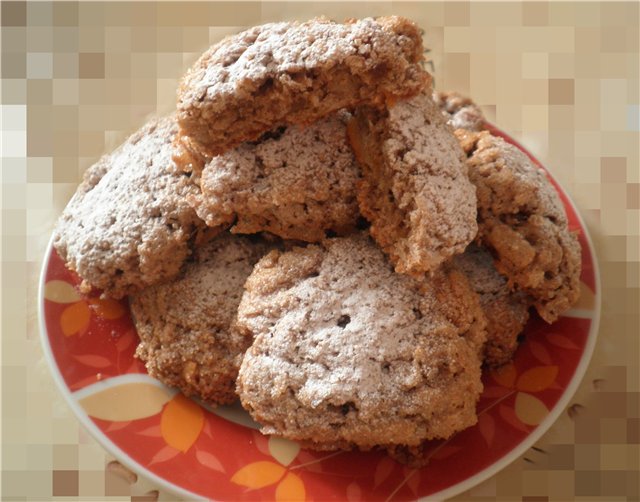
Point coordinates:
[(522, 221), (278, 49), (416, 190), (349, 348), (129, 224), (297, 185), (295, 73), (186, 329)]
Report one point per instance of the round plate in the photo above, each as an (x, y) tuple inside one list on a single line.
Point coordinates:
[(196, 452)]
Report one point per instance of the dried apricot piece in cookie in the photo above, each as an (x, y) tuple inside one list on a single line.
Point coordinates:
[(129, 225), (415, 190), (522, 222), (187, 338), (297, 183), (295, 73), (348, 353)]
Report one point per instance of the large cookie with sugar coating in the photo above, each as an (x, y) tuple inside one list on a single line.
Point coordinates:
[(415, 189), (129, 225), (349, 353), (298, 183), (522, 222), (187, 337), (295, 73)]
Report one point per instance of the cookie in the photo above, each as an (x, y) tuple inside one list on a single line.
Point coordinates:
[(129, 224), (187, 338), (415, 189), (298, 184), (460, 111), (506, 311), (347, 353), (522, 222), (295, 73)]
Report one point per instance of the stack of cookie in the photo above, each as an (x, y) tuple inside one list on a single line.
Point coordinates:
[(308, 232)]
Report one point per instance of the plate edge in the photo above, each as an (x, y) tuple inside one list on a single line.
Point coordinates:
[(110, 447), (578, 375)]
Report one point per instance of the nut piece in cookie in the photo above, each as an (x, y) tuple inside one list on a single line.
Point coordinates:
[(460, 111), (506, 311), (295, 73), (415, 189), (299, 183), (129, 224), (187, 338), (522, 222), (347, 353)]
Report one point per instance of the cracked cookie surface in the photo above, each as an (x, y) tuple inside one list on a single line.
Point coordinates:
[(129, 225), (295, 73), (522, 222), (415, 189), (298, 184), (187, 337), (349, 353)]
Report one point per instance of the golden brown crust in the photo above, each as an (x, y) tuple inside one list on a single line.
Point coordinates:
[(295, 73)]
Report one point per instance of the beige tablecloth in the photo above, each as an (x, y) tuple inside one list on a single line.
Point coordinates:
[(560, 77)]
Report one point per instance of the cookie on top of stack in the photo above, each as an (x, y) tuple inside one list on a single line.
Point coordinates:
[(385, 256)]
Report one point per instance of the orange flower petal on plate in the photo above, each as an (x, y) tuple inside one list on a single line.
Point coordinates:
[(75, 319), (354, 492), (413, 481), (587, 299), (181, 422), (509, 415), (445, 451), (561, 341), (539, 351), (93, 360), (495, 392), (261, 441), (537, 379), (383, 470), (107, 308), (152, 432), (487, 428), (290, 488), (209, 460), (505, 375), (258, 474), (166, 453), (125, 340), (529, 409)]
